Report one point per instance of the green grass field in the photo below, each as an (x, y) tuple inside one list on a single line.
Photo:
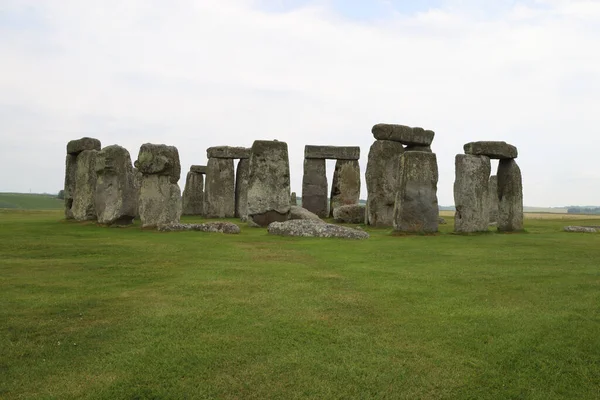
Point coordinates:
[(100, 313), (30, 201)]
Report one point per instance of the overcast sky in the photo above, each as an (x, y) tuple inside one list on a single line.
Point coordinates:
[(203, 73)]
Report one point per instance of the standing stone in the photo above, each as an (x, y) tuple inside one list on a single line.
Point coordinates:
[(116, 197), (345, 188), (70, 178), (193, 194), (510, 196), (471, 195), (160, 196), (493, 199), (293, 199), (241, 188), (416, 208), (314, 187), (137, 184), (269, 183), (219, 190), (85, 186), (381, 176)]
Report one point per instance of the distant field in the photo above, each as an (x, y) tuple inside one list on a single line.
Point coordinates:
[(542, 215), (27, 201)]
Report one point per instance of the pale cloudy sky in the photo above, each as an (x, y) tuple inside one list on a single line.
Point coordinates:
[(202, 73)]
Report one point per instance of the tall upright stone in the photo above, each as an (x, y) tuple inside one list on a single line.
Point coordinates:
[(115, 197), (314, 186), (269, 183), (345, 188), (416, 209), (74, 148), (193, 194), (241, 188), (493, 198), (381, 176), (70, 179), (510, 196), (137, 184), (219, 189), (160, 196), (85, 187), (471, 195)]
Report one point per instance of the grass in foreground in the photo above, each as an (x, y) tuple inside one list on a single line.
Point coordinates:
[(100, 313)]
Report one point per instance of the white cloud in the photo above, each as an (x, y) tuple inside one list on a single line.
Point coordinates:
[(214, 72)]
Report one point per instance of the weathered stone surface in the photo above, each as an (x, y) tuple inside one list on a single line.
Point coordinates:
[(580, 229), (116, 196), (160, 201), (70, 179), (83, 208), (74, 147), (297, 212), (416, 208), (495, 150), (214, 227), (193, 194), (381, 176), (293, 199), (159, 159), (241, 188), (219, 189), (493, 198), (314, 187), (510, 196), (471, 195), (312, 228), (345, 188), (350, 214), (228, 152), (426, 149), (441, 221), (403, 134), (137, 184), (199, 169), (269, 182), (332, 152)]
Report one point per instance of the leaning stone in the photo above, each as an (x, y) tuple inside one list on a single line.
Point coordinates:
[(580, 229), (297, 212), (241, 188), (382, 182), (471, 196), (426, 149), (199, 169), (495, 150), (160, 201), (403, 134), (269, 182), (510, 196), (312, 228), (416, 208), (116, 196), (493, 198), (219, 189), (74, 147), (85, 187), (228, 152), (314, 187), (70, 180), (193, 194), (350, 214), (332, 152), (159, 159), (345, 188), (214, 227)]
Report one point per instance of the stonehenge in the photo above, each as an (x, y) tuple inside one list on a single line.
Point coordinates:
[(481, 198), (268, 183), (193, 193), (345, 188), (241, 188), (80, 179)]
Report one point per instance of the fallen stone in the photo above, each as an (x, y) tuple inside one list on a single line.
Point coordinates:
[(297, 212), (312, 228), (345, 188), (269, 182), (314, 187), (510, 196), (241, 188), (381, 178), (159, 159), (441, 221), (193, 194), (219, 188), (350, 214), (471, 195), (160, 201), (495, 150), (580, 229), (84, 205), (214, 227), (332, 152), (228, 152), (403, 134), (198, 169), (74, 147)]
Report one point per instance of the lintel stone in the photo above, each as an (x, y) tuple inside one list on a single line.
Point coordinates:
[(403, 134), (198, 169), (332, 152), (495, 150), (228, 152)]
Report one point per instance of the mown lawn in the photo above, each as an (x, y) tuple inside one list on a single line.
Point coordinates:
[(31, 201), (99, 313)]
